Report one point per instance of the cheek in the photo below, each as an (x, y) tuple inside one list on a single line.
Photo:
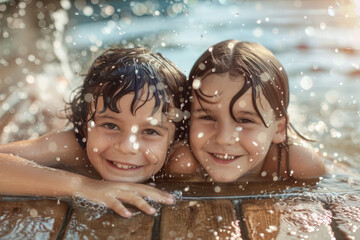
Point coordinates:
[(198, 135), (200, 130), (96, 140), (158, 149), (257, 142)]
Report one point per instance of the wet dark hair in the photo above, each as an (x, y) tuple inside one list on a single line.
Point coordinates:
[(263, 73), (117, 72)]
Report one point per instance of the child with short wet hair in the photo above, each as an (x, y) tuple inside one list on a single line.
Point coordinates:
[(123, 128), (239, 121)]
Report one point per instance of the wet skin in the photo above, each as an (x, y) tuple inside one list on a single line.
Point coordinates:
[(229, 149), (125, 147)]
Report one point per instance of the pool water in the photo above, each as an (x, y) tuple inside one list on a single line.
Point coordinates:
[(45, 45)]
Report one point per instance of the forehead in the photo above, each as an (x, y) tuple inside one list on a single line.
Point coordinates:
[(216, 85), (146, 104), (219, 89)]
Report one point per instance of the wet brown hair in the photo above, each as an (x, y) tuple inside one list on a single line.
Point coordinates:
[(117, 72), (262, 71)]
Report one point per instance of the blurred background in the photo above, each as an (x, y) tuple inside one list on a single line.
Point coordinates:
[(45, 45)]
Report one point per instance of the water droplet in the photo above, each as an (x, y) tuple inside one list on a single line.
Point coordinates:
[(136, 146), (196, 84), (30, 79), (217, 189), (331, 11), (265, 77), (95, 149), (306, 82), (132, 138), (200, 135), (258, 32), (88, 97), (309, 31), (34, 213), (202, 66), (273, 227)]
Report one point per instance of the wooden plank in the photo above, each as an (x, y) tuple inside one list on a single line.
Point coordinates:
[(346, 215), (286, 219), (31, 219), (95, 224), (261, 220), (238, 190), (199, 220)]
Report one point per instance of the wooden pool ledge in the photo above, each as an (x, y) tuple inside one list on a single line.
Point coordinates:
[(202, 211)]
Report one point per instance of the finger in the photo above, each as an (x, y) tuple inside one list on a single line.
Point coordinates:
[(137, 201), (119, 208), (151, 156), (155, 194)]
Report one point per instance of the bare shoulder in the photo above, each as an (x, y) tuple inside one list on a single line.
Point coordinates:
[(304, 162), (181, 160), (55, 148)]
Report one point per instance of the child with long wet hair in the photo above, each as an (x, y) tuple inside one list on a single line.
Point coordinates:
[(239, 121), (125, 117)]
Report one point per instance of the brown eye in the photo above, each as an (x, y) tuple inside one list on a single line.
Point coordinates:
[(110, 126), (245, 120), (151, 132), (207, 118)]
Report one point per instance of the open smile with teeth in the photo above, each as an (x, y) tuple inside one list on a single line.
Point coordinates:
[(224, 157), (124, 166)]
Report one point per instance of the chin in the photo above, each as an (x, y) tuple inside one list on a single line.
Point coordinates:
[(125, 179), (224, 179)]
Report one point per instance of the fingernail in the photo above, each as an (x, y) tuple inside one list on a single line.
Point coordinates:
[(152, 210), (170, 199), (128, 214)]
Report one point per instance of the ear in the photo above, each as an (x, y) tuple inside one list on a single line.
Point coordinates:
[(280, 131)]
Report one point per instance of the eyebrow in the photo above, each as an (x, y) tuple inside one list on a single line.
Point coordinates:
[(247, 113), (110, 116), (201, 110)]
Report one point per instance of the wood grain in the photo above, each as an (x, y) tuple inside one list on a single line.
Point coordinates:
[(287, 219), (31, 219), (90, 224), (199, 220)]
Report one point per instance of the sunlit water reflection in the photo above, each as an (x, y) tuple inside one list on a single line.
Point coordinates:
[(44, 46)]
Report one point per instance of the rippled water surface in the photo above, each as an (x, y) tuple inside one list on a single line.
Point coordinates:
[(44, 45)]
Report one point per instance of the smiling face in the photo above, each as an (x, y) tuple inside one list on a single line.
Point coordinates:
[(128, 147), (228, 149)]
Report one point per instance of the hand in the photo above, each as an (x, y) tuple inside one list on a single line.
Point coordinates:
[(113, 194)]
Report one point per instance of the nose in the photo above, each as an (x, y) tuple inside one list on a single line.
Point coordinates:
[(127, 144), (226, 134)]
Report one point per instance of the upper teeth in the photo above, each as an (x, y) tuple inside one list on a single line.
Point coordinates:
[(123, 166), (226, 157)]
